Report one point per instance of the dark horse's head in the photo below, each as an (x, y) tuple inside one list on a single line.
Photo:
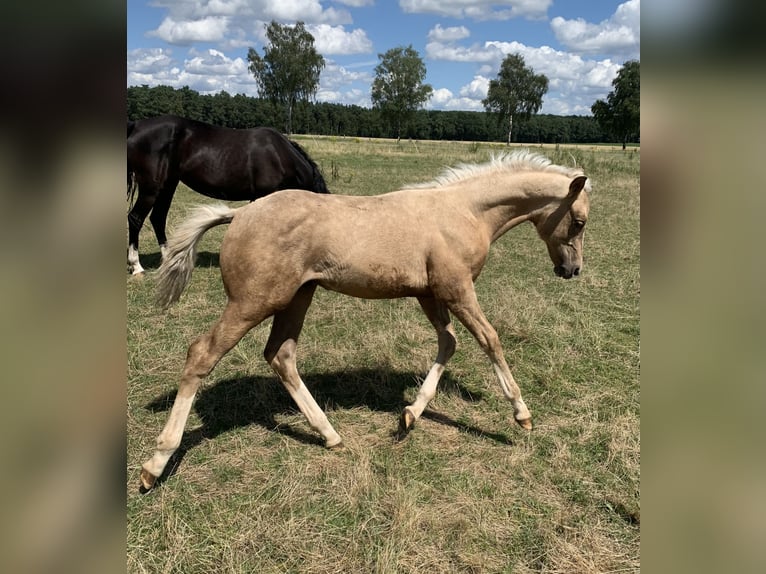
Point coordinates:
[(319, 185)]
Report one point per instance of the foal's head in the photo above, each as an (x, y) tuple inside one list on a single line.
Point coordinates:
[(562, 225)]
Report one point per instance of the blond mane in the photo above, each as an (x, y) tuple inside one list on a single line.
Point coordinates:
[(516, 161)]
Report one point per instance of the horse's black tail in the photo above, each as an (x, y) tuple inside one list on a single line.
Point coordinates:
[(132, 185), (319, 184)]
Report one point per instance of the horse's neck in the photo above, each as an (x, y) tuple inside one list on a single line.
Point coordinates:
[(504, 202)]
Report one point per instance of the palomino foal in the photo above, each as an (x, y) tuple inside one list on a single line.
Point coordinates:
[(429, 241)]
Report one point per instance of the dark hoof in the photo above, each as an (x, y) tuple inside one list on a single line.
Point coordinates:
[(406, 422), (147, 480)]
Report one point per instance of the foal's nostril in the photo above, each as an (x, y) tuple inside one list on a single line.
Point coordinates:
[(576, 271)]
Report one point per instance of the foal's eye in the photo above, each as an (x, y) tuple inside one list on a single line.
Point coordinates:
[(578, 224)]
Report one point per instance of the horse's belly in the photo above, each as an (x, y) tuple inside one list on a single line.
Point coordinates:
[(374, 282)]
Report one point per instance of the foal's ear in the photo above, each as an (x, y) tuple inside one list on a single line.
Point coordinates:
[(577, 186)]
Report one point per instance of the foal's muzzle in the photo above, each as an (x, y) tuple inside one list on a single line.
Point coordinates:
[(566, 272)]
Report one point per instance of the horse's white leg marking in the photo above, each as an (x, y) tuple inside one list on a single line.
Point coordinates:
[(439, 316), (469, 313), (203, 355), (163, 251), (134, 266), (170, 437), (280, 353), (512, 392)]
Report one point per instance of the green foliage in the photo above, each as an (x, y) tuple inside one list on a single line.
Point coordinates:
[(324, 118), (620, 114), (398, 89), (290, 67), (516, 92)]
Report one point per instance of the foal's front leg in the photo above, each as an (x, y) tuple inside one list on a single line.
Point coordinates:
[(467, 310)]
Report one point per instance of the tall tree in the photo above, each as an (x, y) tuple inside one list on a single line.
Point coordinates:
[(517, 92), (290, 67), (620, 114), (398, 89)]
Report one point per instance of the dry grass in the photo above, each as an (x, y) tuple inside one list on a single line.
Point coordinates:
[(467, 491)]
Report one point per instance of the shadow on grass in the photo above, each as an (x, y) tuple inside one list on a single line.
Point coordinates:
[(243, 401), (464, 427)]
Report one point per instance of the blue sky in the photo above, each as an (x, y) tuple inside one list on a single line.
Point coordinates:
[(578, 44)]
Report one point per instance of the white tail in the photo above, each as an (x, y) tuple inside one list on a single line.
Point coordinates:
[(177, 265)]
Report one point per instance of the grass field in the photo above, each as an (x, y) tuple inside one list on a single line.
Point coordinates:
[(253, 490)]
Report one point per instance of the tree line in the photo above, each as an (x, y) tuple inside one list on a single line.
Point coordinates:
[(322, 118)]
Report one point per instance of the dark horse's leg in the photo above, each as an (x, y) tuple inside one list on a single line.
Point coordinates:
[(159, 214), (146, 198), (157, 201)]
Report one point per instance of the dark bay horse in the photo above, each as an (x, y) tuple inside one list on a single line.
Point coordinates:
[(429, 241), (222, 163)]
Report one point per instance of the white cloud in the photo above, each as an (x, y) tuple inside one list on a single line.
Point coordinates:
[(209, 29), (230, 26), (335, 40), (353, 97), (477, 89), (440, 98), (452, 34), (479, 9), (215, 63), (574, 83), (469, 98), (308, 11), (207, 72), (229, 22), (455, 53), (149, 60), (620, 34)]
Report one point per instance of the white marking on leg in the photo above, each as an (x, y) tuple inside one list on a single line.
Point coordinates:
[(512, 392), (314, 415), (163, 251), (427, 390), (170, 437), (134, 266)]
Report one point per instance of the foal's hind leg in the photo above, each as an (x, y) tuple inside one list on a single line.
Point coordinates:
[(467, 310), (280, 354), (437, 313), (203, 355)]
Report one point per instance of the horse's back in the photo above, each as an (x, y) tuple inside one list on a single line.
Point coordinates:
[(153, 136), (371, 247)]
